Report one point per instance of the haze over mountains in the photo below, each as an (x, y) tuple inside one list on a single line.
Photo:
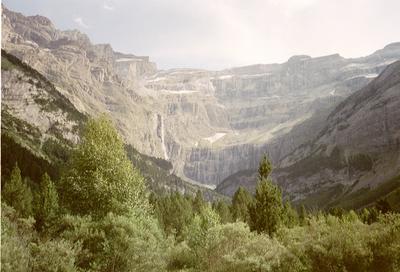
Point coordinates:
[(333, 113)]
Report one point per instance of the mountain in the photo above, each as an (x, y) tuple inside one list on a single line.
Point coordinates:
[(355, 152), (208, 124), (40, 126)]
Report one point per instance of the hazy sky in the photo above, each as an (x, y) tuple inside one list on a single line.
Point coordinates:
[(217, 34)]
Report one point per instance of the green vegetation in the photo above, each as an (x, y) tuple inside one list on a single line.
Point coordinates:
[(17, 193), (45, 203), (266, 211), (105, 220), (101, 164)]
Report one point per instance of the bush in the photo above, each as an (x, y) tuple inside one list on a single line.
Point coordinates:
[(16, 235), (54, 255), (261, 253), (117, 243)]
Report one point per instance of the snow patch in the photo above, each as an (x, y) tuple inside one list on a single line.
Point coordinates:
[(215, 137), (180, 92), (225, 77), (370, 75), (271, 97), (255, 75), (157, 79), (127, 59)]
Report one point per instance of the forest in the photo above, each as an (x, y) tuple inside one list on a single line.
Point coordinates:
[(99, 215)]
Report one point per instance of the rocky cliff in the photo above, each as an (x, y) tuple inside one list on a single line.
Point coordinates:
[(209, 124), (355, 147)]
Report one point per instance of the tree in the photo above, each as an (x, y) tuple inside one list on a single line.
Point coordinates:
[(302, 214), (198, 202), (222, 208), (100, 178), (264, 168), (196, 231), (291, 217), (174, 213), (46, 202), (17, 193), (240, 203), (383, 206), (267, 211)]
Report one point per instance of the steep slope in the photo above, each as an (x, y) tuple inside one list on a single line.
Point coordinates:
[(40, 126), (357, 148), (208, 124)]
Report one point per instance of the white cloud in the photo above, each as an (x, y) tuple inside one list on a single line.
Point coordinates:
[(108, 6), (80, 22), (216, 34)]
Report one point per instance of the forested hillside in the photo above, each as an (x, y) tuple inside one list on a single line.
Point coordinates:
[(99, 216)]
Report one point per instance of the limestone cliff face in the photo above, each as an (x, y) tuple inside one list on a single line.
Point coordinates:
[(209, 124), (359, 143), (28, 96), (353, 146)]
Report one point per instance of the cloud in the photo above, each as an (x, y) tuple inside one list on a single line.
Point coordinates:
[(108, 6), (216, 34), (80, 22)]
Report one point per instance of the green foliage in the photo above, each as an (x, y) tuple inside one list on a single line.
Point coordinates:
[(174, 213), (198, 202), (266, 212), (196, 231), (302, 214), (241, 202), (131, 242), (261, 253), (46, 202), (32, 165), (100, 178), (53, 255), (219, 242), (329, 243), (15, 241), (290, 216), (264, 168), (223, 210), (17, 193)]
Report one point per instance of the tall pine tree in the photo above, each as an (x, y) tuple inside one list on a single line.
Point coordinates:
[(46, 202), (240, 205), (17, 193), (267, 211)]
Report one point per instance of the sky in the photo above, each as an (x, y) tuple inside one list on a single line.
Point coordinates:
[(217, 34)]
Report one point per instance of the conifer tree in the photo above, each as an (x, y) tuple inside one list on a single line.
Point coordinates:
[(198, 202), (46, 202), (222, 208), (302, 214), (267, 211), (17, 193), (240, 205), (291, 217)]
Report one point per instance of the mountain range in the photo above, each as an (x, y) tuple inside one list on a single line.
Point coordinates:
[(329, 124)]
